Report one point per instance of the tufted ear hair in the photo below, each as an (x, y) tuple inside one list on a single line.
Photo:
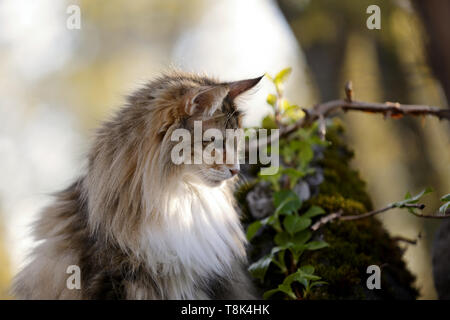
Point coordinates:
[(207, 101), (239, 87)]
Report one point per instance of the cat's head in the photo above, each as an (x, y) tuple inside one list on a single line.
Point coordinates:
[(198, 127)]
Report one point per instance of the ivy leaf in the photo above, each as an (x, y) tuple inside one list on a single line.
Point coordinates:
[(253, 229), (287, 289), (294, 112), (283, 239), (410, 199), (286, 202), (269, 122), (313, 211), (301, 237), (308, 269), (282, 76), (317, 283), (295, 223), (294, 175), (281, 288), (305, 153), (259, 268), (268, 76), (304, 275), (271, 99), (284, 104), (316, 245), (270, 293), (444, 207)]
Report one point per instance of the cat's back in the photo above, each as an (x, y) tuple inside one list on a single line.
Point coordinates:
[(60, 232)]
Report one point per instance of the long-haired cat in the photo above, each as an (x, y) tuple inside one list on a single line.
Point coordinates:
[(137, 225)]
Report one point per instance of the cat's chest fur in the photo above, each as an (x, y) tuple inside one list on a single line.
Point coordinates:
[(199, 239)]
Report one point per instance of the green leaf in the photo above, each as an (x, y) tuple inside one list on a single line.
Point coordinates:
[(293, 111), (269, 122), (299, 241), (283, 239), (253, 229), (259, 268), (286, 288), (411, 200), (444, 207), (303, 280), (286, 202), (313, 211), (279, 261), (308, 269), (294, 175), (303, 275), (316, 245), (284, 105), (272, 178), (317, 283), (271, 99), (305, 154), (282, 75), (270, 293), (301, 237), (310, 277), (297, 251), (268, 76), (446, 198), (295, 223)]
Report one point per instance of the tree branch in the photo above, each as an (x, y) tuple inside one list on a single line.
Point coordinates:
[(339, 215), (327, 109), (388, 109)]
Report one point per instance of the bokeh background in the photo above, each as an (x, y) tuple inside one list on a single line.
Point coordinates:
[(57, 85)]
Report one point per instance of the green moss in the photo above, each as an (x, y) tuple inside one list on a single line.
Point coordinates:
[(340, 178), (354, 245), (338, 202)]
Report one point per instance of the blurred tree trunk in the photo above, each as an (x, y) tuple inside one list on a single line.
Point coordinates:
[(435, 16)]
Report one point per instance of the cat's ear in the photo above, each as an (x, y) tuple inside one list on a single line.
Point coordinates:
[(239, 87), (207, 101)]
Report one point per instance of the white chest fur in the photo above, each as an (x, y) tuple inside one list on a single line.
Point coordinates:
[(201, 235)]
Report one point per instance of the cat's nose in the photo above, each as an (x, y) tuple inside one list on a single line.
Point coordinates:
[(234, 172)]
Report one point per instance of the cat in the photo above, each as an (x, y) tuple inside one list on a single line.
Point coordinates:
[(137, 225)]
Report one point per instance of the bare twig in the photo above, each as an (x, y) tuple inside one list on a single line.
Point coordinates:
[(349, 91), (339, 215), (407, 240), (374, 212), (327, 219)]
